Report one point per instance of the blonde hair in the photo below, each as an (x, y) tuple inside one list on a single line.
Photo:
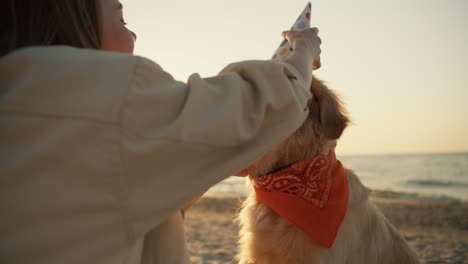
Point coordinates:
[(49, 22)]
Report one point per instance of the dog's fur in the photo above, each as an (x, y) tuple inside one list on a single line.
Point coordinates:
[(365, 235)]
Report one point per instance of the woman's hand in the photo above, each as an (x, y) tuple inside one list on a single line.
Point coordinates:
[(305, 56)]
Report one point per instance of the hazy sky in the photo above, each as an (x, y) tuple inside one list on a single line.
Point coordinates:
[(400, 65)]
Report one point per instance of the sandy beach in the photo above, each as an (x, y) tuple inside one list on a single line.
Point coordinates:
[(438, 230)]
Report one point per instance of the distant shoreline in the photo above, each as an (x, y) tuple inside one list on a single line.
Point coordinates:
[(398, 195), (377, 194), (433, 176), (346, 155)]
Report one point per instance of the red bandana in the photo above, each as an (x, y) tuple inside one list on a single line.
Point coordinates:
[(311, 194)]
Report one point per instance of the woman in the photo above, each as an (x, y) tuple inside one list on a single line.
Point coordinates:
[(99, 149)]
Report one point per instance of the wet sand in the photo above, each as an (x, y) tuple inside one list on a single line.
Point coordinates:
[(438, 230)]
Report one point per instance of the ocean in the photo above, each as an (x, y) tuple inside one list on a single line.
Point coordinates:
[(432, 176)]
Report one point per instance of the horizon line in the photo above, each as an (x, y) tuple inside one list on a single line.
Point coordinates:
[(455, 152)]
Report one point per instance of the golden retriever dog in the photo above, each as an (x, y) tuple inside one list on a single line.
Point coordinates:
[(364, 236)]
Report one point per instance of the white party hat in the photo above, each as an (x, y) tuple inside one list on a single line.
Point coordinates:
[(302, 23)]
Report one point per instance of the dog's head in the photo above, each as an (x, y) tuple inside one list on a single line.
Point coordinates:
[(326, 121)]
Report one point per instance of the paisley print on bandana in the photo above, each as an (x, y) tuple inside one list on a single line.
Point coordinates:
[(311, 180)]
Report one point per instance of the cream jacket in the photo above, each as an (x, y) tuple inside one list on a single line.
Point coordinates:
[(98, 151)]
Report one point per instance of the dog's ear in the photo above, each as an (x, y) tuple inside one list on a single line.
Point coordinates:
[(328, 109)]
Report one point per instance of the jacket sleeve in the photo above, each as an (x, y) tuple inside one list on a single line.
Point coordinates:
[(178, 139)]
